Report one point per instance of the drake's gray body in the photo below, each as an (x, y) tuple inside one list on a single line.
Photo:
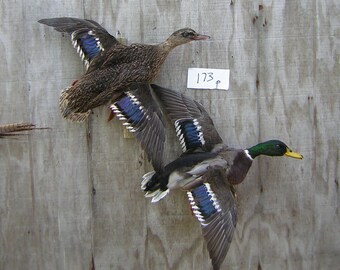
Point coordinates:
[(181, 109), (207, 170)]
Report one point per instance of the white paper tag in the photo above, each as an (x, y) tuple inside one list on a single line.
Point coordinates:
[(208, 78)]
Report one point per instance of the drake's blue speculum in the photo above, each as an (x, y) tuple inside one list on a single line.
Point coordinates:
[(190, 134), (204, 201)]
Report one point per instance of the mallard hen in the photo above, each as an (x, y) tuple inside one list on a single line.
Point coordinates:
[(112, 66)]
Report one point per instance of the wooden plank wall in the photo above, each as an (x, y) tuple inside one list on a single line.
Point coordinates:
[(70, 197)]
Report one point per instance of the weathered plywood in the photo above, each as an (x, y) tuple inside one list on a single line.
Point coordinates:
[(70, 197)]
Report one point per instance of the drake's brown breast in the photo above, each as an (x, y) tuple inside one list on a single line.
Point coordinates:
[(239, 167)]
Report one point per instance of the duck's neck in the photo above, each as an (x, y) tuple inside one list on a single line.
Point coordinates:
[(167, 45), (171, 43), (255, 150)]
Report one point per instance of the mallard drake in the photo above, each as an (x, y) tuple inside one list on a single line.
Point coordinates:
[(207, 170), (111, 66), (13, 129)]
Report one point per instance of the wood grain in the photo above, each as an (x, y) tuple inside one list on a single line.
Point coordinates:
[(70, 197)]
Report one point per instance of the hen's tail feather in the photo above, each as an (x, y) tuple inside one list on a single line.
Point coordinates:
[(65, 110)]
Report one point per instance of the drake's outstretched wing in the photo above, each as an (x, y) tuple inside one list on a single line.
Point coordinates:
[(193, 125), (143, 118), (213, 204), (88, 37)]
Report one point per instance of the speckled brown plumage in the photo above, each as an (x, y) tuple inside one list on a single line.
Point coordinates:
[(114, 68), (99, 85)]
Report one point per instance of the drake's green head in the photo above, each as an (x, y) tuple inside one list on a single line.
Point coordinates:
[(273, 148)]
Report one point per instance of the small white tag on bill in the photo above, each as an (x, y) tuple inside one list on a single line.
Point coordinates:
[(208, 78)]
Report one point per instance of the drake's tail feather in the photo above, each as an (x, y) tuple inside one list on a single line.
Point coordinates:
[(146, 178), (66, 111), (150, 185), (157, 195)]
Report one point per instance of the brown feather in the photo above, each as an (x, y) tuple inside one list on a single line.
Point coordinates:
[(12, 129)]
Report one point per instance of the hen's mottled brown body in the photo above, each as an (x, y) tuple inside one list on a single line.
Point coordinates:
[(112, 67), (123, 66)]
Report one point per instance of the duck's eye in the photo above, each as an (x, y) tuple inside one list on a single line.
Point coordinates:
[(185, 34), (279, 146)]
